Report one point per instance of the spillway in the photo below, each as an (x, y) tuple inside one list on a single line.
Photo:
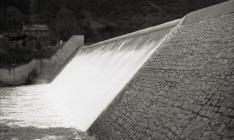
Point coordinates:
[(89, 83), (172, 81)]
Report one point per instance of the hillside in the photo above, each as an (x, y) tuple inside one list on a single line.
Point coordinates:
[(97, 20)]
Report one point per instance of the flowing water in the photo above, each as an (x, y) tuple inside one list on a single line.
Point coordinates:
[(85, 87)]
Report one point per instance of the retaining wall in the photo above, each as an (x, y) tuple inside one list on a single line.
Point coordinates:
[(44, 69), (184, 91), (49, 68), (17, 75)]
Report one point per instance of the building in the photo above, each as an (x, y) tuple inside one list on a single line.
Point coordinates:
[(39, 33)]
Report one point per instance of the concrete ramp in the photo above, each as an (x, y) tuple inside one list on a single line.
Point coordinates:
[(96, 75)]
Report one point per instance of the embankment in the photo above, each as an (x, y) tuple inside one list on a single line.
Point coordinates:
[(185, 90)]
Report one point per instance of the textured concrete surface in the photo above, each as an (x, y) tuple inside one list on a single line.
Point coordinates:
[(185, 90), (209, 12)]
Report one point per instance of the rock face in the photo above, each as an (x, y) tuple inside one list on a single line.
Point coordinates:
[(185, 90)]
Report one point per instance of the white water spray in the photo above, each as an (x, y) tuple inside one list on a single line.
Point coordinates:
[(98, 73)]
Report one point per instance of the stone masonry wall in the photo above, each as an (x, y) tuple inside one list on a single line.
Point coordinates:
[(185, 90)]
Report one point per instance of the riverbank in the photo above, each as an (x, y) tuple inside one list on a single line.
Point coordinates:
[(32, 133)]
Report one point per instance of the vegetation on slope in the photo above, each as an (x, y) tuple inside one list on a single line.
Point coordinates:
[(97, 20)]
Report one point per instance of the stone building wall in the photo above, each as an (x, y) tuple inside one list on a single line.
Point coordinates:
[(185, 90)]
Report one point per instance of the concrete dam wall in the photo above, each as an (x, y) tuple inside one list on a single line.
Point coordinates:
[(98, 73), (186, 88)]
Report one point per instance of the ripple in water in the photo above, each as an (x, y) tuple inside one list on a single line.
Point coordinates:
[(31, 106)]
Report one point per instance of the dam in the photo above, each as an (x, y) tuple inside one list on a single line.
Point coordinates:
[(96, 75), (172, 81)]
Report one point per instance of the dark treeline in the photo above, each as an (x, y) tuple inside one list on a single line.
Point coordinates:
[(96, 19)]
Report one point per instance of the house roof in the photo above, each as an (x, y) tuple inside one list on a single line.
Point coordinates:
[(35, 27)]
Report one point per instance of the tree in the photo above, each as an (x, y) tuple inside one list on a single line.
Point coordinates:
[(65, 24)]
